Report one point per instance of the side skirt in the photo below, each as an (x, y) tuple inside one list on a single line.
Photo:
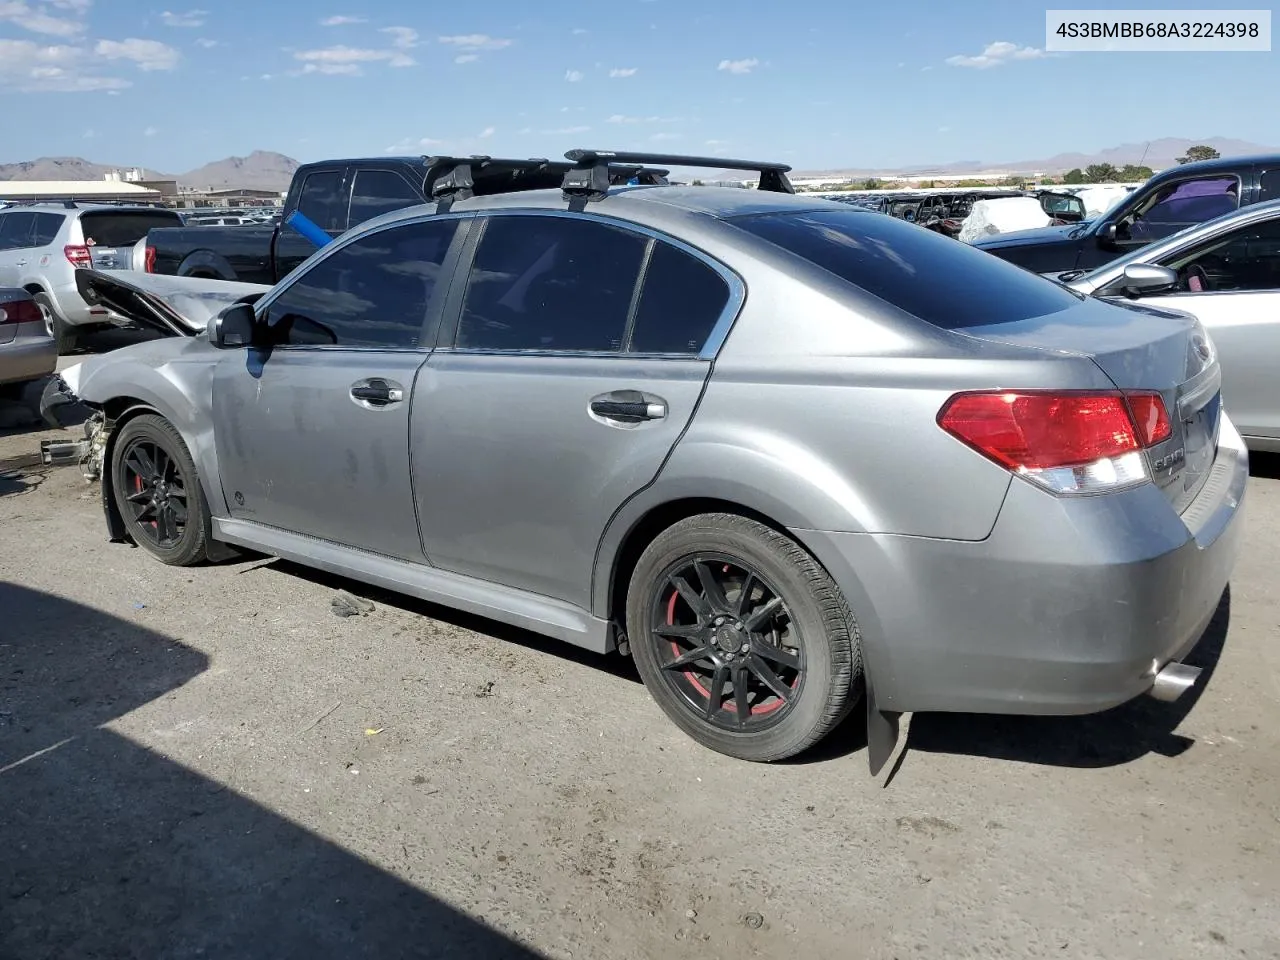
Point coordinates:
[(553, 618)]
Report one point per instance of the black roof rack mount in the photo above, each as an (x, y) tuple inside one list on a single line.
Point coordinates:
[(595, 170)]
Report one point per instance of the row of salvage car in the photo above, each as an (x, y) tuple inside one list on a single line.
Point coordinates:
[(688, 424)]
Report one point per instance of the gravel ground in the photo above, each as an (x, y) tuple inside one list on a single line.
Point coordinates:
[(210, 763)]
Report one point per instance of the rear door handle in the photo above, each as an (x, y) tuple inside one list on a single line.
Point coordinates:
[(628, 409), (377, 392)]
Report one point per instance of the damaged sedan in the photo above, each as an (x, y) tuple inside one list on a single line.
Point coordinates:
[(790, 455)]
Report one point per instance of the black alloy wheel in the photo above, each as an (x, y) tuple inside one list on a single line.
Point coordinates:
[(158, 493), (742, 637), (726, 642)]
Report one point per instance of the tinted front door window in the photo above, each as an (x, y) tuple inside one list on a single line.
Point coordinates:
[(321, 200), (1181, 205), (550, 283), (373, 292), (1245, 259)]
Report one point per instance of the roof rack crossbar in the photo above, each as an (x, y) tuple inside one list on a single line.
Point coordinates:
[(590, 176)]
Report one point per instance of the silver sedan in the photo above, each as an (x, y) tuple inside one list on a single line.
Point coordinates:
[(27, 352), (1227, 273)]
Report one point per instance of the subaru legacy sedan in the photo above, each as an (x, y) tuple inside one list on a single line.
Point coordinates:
[(787, 454)]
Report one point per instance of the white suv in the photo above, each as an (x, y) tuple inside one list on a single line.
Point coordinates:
[(41, 245)]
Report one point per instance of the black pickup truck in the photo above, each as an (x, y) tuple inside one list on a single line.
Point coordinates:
[(333, 194), (1172, 200)]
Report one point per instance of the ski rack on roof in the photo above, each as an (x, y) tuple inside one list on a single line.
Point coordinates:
[(450, 179), (593, 171)]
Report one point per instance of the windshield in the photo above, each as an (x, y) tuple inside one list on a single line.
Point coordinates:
[(945, 283)]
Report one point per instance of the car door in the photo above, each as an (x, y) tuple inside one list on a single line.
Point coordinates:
[(312, 432), (580, 352), (1232, 284), (322, 197), (16, 229)]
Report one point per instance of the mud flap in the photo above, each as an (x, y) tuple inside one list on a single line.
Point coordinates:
[(882, 732)]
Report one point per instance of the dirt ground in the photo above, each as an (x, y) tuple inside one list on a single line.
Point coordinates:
[(210, 763)]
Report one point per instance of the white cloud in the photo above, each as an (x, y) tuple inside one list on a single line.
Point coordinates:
[(77, 6), (265, 76), (192, 18), (995, 54), (30, 68), (150, 132), (145, 54), (944, 129), (739, 66), (579, 31), (487, 132), (475, 41), (624, 71), (560, 131), (665, 136), (37, 21), (89, 134), (466, 58), (206, 43), (573, 76), (403, 38), (345, 61), (623, 118), (340, 20)]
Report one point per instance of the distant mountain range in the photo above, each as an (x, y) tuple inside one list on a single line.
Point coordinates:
[(263, 170), (260, 170), (1156, 154)]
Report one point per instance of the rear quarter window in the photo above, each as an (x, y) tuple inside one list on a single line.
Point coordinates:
[(109, 229), (942, 281)]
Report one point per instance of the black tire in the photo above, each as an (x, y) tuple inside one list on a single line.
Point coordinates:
[(63, 333), (818, 634), (134, 448)]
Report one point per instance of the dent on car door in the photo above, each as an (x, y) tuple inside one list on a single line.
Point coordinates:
[(580, 353), (1232, 284), (313, 429)]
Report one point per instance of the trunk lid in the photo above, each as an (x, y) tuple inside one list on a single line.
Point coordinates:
[(174, 306), (1142, 348)]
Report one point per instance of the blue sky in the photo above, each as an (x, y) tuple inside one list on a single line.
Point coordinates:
[(820, 84)]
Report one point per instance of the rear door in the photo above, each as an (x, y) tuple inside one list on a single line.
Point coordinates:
[(580, 353), (313, 434)]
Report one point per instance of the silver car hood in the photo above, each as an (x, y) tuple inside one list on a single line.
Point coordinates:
[(175, 306)]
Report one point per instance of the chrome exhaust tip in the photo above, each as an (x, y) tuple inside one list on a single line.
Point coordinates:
[(1173, 681)]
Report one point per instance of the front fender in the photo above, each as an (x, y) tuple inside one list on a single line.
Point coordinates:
[(175, 378)]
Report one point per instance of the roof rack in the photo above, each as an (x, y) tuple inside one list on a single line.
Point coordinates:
[(43, 202), (594, 171), (457, 178)]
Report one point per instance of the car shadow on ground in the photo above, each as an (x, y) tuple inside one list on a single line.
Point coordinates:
[(110, 850), (1118, 736), (618, 666)]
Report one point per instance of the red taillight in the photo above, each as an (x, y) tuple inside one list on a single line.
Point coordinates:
[(149, 259), (1150, 417), (79, 256), (1070, 442), (19, 311)]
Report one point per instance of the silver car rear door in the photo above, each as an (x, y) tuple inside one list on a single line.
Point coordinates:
[(581, 352)]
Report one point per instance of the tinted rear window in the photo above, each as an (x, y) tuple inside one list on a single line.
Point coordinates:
[(940, 280), (124, 229)]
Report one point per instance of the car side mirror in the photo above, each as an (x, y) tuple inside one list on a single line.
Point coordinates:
[(234, 327), (1140, 278), (1107, 236)]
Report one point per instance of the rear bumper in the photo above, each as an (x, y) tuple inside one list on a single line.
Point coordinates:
[(27, 358), (1070, 606), (72, 307)]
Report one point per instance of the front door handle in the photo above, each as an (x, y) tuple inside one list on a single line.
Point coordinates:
[(377, 392), (628, 409)]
